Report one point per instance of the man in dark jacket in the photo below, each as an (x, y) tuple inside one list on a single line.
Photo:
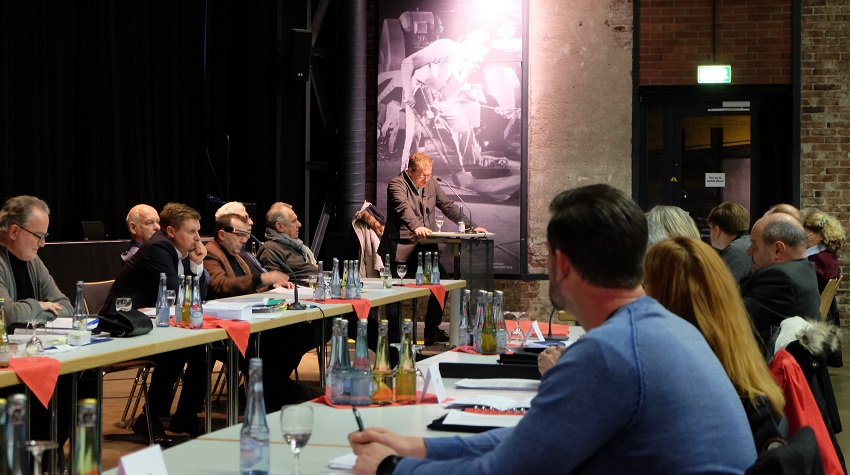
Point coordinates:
[(783, 283)]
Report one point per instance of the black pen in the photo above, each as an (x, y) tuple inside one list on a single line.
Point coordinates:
[(357, 417)]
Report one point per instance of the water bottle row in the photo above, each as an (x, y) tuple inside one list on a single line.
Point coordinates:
[(429, 273), (331, 285), (189, 299), (487, 333), (362, 385)]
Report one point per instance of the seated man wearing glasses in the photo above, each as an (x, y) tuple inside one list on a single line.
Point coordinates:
[(30, 294), (25, 284), (232, 272)]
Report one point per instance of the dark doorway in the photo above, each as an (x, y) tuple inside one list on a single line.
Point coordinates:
[(701, 146)]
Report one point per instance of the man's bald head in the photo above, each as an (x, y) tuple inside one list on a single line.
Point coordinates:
[(785, 208), (142, 222), (776, 238)]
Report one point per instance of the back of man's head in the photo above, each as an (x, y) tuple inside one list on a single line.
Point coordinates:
[(730, 217), (785, 208), (18, 210), (780, 228), (173, 214), (225, 220), (603, 232)]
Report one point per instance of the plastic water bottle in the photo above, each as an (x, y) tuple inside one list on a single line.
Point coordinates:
[(162, 309), (254, 437), (335, 281), (361, 375), (80, 320), (196, 310), (499, 318), (420, 274)]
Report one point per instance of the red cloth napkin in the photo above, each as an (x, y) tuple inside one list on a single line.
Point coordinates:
[(39, 373), (429, 399), (466, 349), (237, 330), (361, 306), (437, 290)]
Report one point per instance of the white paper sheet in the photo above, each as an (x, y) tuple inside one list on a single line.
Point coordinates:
[(499, 383)]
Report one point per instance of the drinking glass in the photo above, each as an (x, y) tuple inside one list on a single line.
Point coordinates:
[(296, 426), (123, 304), (517, 336), (34, 346), (387, 276), (311, 281), (37, 449), (402, 271), (170, 296), (327, 275), (440, 220)]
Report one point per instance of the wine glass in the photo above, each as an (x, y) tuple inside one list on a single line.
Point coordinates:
[(402, 271), (124, 304), (517, 336), (34, 346), (296, 426), (440, 220), (37, 449), (311, 282)]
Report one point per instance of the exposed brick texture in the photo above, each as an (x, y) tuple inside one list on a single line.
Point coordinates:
[(825, 118), (676, 36)]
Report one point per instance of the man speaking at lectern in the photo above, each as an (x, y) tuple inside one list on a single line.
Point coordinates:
[(412, 200)]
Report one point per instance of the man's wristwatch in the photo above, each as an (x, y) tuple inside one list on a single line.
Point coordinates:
[(388, 465)]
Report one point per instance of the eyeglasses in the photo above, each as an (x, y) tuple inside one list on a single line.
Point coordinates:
[(241, 234), (41, 237)]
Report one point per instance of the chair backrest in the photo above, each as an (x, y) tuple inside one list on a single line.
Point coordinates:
[(95, 294), (828, 294), (93, 231)]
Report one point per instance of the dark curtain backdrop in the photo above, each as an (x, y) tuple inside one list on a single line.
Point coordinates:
[(106, 104), (101, 107)]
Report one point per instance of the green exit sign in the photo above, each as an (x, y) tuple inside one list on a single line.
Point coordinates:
[(714, 74)]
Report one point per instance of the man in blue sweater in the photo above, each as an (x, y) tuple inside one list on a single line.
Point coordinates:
[(641, 392)]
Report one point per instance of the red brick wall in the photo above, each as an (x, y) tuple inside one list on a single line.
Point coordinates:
[(825, 119), (676, 36)]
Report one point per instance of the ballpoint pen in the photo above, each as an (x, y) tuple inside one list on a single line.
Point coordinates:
[(357, 417)]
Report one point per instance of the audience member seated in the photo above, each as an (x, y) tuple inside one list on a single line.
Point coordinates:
[(729, 225), (668, 221), (641, 391), (30, 294), (688, 278), (824, 237), (282, 348), (283, 250), (783, 282), (175, 250), (142, 222)]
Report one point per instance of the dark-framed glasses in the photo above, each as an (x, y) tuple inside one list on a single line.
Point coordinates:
[(41, 237)]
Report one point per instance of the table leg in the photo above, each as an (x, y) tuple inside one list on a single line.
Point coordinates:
[(208, 406), (232, 383)]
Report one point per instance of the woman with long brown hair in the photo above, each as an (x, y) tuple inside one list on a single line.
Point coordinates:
[(690, 279)]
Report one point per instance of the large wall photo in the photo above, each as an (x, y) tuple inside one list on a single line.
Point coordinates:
[(450, 85)]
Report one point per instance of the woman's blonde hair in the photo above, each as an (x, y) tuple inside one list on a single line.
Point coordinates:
[(829, 227), (690, 279)]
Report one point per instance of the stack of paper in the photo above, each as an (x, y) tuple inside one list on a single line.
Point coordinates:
[(228, 310)]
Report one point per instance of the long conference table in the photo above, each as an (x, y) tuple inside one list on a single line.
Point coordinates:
[(218, 452), (161, 340)]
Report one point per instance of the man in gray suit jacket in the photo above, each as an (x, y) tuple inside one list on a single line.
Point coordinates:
[(412, 200)]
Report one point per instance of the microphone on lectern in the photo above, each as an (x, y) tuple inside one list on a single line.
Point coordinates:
[(470, 229), (296, 305)]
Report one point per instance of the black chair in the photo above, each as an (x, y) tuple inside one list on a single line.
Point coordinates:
[(800, 456)]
